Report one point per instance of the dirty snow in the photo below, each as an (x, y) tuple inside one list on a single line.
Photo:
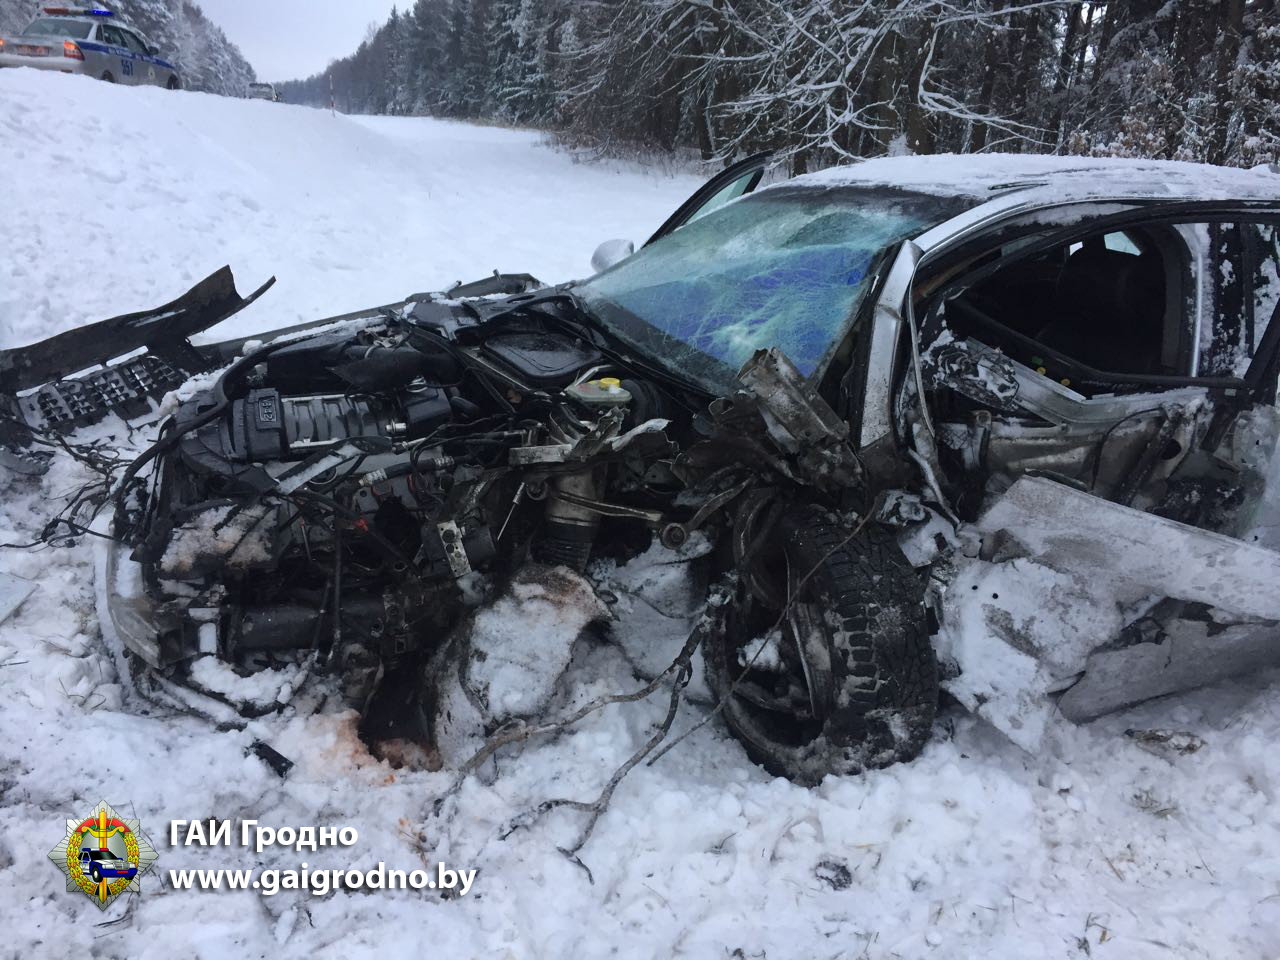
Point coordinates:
[(1097, 845), (511, 656), (523, 641)]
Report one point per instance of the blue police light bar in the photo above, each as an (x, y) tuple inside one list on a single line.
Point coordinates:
[(72, 12)]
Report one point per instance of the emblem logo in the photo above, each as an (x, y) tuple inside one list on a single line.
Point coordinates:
[(103, 855)]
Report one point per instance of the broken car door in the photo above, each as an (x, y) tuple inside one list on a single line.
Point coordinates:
[(731, 183), (1134, 362), (1096, 359)]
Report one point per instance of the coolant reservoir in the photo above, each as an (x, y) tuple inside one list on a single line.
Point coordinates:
[(604, 392)]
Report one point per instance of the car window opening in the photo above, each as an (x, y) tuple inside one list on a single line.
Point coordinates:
[(1103, 302), (49, 27)]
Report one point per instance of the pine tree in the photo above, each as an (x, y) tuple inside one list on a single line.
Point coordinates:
[(832, 81)]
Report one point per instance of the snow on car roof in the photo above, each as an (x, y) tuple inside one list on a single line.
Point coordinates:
[(115, 21), (986, 175)]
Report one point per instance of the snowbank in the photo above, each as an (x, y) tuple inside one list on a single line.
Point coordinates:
[(120, 198)]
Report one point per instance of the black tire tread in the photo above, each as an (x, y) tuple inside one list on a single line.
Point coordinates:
[(882, 659)]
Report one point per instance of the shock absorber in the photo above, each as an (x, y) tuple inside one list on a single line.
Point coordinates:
[(570, 529)]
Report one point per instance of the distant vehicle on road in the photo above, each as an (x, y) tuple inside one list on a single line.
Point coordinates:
[(91, 42), (263, 91)]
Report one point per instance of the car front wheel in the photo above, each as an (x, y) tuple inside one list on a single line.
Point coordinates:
[(842, 677), (96, 874), (107, 77)]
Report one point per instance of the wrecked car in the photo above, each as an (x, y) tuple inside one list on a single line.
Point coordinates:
[(913, 412)]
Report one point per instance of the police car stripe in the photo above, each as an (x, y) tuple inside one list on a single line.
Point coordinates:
[(122, 52)]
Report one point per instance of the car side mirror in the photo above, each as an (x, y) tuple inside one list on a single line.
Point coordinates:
[(611, 252)]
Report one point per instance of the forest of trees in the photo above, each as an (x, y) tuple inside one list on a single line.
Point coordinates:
[(823, 81)]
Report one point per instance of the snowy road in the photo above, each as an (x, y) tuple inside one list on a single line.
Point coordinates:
[(123, 199), (115, 199)]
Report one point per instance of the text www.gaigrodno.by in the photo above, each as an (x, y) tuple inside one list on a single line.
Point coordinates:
[(320, 882)]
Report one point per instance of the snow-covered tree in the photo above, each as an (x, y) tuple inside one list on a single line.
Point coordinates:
[(822, 81)]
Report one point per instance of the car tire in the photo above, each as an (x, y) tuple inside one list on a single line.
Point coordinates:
[(96, 874), (108, 78), (860, 607), (173, 84)]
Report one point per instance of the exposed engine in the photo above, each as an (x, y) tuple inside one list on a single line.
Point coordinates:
[(343, 496)]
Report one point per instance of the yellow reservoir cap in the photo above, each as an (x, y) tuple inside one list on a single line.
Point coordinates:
[(607, 391)]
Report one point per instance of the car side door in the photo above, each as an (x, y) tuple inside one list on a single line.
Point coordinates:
[(1093, 354), (144, 68), (120, 61), (732, 182)]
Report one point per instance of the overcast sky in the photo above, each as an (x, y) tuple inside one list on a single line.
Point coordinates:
[(290, 39)]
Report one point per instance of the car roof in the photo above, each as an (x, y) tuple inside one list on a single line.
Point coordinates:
[(1051, 178), (74, 18), (106, 21)]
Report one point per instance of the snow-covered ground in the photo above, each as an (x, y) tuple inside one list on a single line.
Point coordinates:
[(115, 199), (120, 200)]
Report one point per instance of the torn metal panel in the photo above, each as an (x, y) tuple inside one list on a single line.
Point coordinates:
[(987, 375), (209, 302), (791, 399), (1252, 451), (1019, 630), (1073, 531), (984, 375), (799, 420), (1097, 457), (1186, 654)]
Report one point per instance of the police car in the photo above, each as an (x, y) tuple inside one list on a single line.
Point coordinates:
[(91, 42), (97, 864)]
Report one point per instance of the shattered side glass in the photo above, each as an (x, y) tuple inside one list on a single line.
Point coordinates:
[(784, 268)]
